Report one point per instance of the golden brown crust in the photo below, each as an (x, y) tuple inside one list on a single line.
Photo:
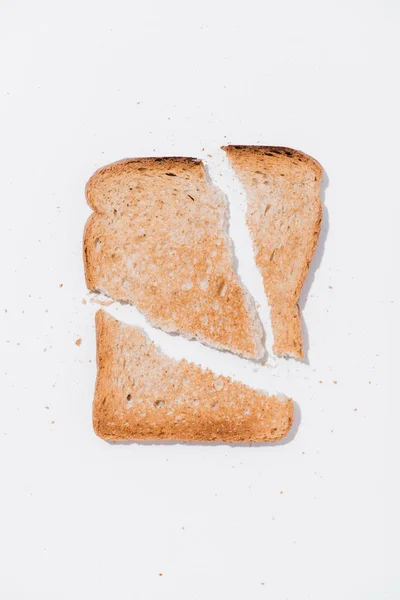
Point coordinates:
[(284, 218), (274, 152), (158, 239), (141, 394), (119, 166)]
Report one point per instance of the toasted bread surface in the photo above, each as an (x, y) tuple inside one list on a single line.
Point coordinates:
[(284, 215), (141, 394), (158, 239)]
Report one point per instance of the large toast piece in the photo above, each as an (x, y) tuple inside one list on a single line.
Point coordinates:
[(141, 394), (158, 239), (284, 218)]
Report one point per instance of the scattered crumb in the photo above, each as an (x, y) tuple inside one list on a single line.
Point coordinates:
[(160, 574), (303, 452), (209, 155), (356, 409), (262, 583), (52, 423), (83, 301), (320, 381), (61, 285), (95, 300), (90, 361), (78, 342), (5, 310), (369, 382), (330, 287), (47, 310), (281, 492), (335, 382), (44, 349), (47, 407), (331, 430)]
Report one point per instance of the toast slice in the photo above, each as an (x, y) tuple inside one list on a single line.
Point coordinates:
[(141, 394), (284, 215), (158, 239)]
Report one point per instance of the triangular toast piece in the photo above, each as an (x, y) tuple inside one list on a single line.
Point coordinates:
[(141, 394), (284, 218)]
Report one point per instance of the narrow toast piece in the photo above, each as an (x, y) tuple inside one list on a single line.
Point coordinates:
[(141, 394), (158, 239), (284, 218)]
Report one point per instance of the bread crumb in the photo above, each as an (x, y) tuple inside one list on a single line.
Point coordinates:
[(95, 300), (160, 574), (281, 492), (78, 342), (330, 287), (335, 382), (262, 583), (320, 381), (5, 310), (61, 285), (83, 301), (52, 423), (369, 382), (46, 407), (303, 452), (356, 409)]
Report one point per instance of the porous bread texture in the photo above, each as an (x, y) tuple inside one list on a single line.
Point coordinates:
[(284, 215), (158, 239), (141, 394)]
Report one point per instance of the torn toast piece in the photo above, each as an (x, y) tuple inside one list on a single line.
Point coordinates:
[(284, 215), (141, 394), (158, 239)]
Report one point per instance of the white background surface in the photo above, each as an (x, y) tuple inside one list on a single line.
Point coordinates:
[(87, 83)]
